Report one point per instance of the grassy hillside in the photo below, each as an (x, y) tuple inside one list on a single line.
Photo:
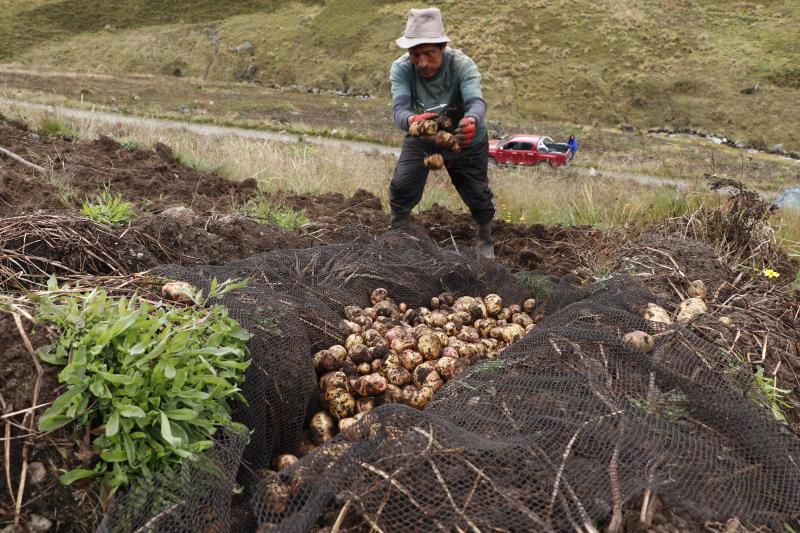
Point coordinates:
[(683, 63)]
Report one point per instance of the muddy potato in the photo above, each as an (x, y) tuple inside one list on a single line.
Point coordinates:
[(370, 312), (463, 316), (504, 314), (461, 305), (656, 313), (497, 331), (522, 319), (411, 359), (494, 304), (446, 367), (429, 346), (369, 385), (426, 375), (442, 336), (403, 344), (484, 326), (395, 332), (342, 405), (378, 295), (178, 291), (490, 344), (690, 309), (434, 161), (349, 328), (468, 334), (364, 322), (397, 376), (352, 340), (513, 332), (514, 308), (435, 302), (284, 460), (381, 351), (438, 320), (321, 427), (365, 404), (386, 308), (333, 380), (529, 328), (452, 328), (349, 368), (726, 321), (352, 311), (376, 365), (359, 353), (372, 338), (639, 340), (347, 423), (306, 445), (419, 397), (529, 305), (477, 311), (402, 307), (697, 289), (325, 361), (443, 122), (446, 140), (394, 393), (276, 495), (428, 127), (415, 129), (448, 298), (364, 369)]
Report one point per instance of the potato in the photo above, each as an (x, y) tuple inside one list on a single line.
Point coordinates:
[(443, 122), (726, 321), (697, 289), (365, 404), (352, 311), (364, 369), (325, 361), (428, 127), (342, 404), (352, 340), (347, 423), (403, 344), (333, 380), (284, 461), (370, 312), (372, 338), (452, 328), (397, 376), (364, 322), (306, 445), (402, 307), (468, 334), (359, 353), (529, 305), (349, 368), (449, 351), (514, 308), (276, 495), (490, 343), (429, 346), (639, 340), (321, 427), (435, 302), (394, 393), (419, 397), (522, 319), (437, 320), (447, 298), (178, 291), (484, 326), (411, 359), (513, 332), (442, 336), (369, 385), (338, 351), (349, 328), (376, 365), (477, 311), (446, 140), (386, 308), (504, 314), (690, 309), (446, 367), (656, 313), (415, 129), (381, 351), (529, 328), (494, 304), (497, 331), (378, 295), (464, 317), (426, 375), (396, 332), (462, 304), (434, 161)]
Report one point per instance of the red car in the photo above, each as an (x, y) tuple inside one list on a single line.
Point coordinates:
[(528, 150)]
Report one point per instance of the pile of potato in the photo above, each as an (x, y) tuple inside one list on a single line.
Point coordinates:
[(396, 354)]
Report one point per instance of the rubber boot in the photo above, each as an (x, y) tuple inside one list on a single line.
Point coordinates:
[(483, 244), (399, 221)]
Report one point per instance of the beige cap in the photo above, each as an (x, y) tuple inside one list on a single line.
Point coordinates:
[(424, 26)]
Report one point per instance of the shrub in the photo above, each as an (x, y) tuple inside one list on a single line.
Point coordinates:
[(108, 208), (153, 381), (282, 216)]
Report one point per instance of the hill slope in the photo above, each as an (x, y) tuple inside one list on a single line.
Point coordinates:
[(647, 63)]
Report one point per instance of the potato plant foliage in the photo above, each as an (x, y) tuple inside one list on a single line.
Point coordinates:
[(154, 381)]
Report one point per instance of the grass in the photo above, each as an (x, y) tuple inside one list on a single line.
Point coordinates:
[(641, 63), (282, 216), (54, 127)]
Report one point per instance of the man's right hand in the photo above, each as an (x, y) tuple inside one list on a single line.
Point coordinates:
[(419, 118)]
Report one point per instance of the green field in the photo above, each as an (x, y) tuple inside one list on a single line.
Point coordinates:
[(646, 63)]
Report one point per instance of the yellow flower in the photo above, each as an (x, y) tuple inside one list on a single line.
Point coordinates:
[(769, 273)]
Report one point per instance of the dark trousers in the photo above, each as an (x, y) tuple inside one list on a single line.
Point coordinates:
[(467, 169)]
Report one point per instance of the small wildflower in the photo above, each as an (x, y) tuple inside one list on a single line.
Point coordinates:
[(769, 273)]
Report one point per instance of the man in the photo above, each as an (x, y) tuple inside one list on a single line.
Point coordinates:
[(432, 78), (573, 147)]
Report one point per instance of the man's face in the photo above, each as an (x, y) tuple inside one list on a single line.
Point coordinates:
[(427, 58)]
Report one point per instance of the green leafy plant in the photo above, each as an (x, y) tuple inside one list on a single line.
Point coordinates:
[(108, 208), (132, 145), (53, 127), (772, 395), (282, 216), (153, 381)]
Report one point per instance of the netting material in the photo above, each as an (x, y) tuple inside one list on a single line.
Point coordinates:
[(565, 426)]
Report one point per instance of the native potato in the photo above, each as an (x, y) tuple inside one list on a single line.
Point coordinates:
[(656, 313), (639, 340), (178, 291), (691, 308), (394, 353), (434, 161), (697, 289)]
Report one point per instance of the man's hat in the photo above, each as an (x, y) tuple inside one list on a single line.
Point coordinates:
[(424, 26)]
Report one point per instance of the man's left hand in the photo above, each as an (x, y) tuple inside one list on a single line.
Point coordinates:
[(465, 132)]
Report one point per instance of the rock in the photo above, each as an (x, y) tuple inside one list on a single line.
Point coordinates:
[(690, 309), (656, 313), (36, 472), (726, 321), (246, 46), (39, 523), (181, 215)]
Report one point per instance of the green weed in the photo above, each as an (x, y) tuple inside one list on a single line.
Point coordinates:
[(108, 208), (132, 145), (282, 216), (772, 398), (53, 127), (154, 382)]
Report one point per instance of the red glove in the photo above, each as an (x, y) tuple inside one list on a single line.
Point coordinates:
[(465, 131), (419, 118)]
